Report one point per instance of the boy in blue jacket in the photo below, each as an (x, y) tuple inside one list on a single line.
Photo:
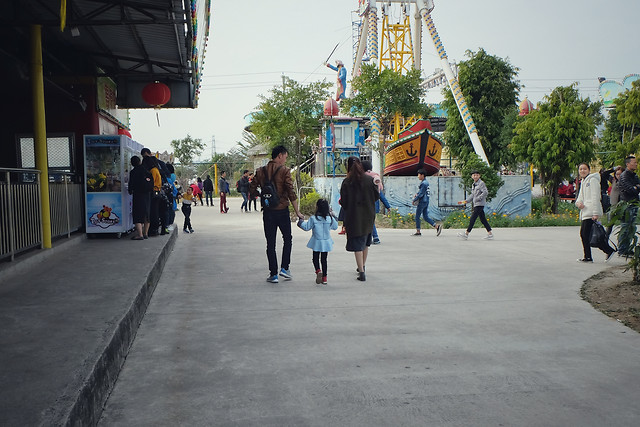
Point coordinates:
[(421, 200)]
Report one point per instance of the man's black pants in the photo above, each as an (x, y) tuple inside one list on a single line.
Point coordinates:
[(272, 220)]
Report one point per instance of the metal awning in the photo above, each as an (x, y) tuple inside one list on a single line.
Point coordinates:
[(134, 42)]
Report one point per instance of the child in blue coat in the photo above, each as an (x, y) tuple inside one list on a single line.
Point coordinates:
[(321, 242)]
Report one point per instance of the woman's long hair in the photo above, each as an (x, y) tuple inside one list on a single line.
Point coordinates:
[(322, 208), (355, 171)]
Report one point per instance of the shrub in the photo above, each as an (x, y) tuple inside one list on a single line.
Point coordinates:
[(307, 203), (568, 215)]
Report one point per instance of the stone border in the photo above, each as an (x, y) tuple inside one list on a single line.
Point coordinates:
[(88, 406)]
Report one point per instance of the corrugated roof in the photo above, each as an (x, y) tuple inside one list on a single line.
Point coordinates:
[(133, 42)]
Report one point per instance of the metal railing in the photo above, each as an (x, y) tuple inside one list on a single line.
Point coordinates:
[(66, 205), (20, 213)]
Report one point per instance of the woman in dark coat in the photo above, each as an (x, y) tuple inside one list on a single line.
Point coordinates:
[(358, 196), (140, 187)]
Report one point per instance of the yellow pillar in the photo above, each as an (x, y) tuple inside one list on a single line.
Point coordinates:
[(215, 168), (531, 174), (40, 131)]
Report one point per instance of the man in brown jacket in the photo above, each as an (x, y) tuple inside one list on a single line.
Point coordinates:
[(278, 216)]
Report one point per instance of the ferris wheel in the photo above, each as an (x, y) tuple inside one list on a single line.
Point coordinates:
[(399, 48)]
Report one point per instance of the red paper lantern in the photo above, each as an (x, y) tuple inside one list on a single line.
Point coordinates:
[(331, 107), (124, 132), (156, 94)]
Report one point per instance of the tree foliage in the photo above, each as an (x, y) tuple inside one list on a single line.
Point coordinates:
[(628, 110), (557, 137), (490, 88), (290, 116), (612, 151), (621, 136), (492, 180), (186, 149), (382, 94)]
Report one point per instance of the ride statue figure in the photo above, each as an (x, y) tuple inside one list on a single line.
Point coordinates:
[(342, 78)]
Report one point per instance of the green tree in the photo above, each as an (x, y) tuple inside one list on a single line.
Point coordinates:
[(490, 88), (492, 180), (620, 137), (290, 116), (557, 137), (628, 109), (612, 150), (383, 94), (186, 149)]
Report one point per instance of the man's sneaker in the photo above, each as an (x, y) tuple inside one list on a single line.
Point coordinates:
[(324, 280), (286, 274), (318, 277), (488, 237), (186, 231), (463, 235), (585, 260), (609, 256), (376, 241), (438, 229), (273, 279)]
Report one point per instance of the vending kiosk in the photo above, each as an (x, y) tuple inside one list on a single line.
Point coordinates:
[(107, 162)]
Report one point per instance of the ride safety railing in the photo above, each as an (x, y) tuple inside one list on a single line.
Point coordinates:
[(20, 213)]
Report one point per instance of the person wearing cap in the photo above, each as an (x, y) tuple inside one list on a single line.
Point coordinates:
[(478, 197), (342, 78)]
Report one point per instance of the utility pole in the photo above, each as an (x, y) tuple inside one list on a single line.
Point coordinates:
[(213, 146)]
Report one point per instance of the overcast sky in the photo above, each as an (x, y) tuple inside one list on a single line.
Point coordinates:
[(253, 43)]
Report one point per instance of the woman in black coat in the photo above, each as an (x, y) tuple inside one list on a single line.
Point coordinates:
[(140, 187), (358, 196)]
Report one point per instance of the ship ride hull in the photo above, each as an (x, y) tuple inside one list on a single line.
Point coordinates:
[(421, 150)]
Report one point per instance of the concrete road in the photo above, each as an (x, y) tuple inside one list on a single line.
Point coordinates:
[(444, 332)]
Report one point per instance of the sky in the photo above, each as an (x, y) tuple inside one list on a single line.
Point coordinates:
[(252, 44)]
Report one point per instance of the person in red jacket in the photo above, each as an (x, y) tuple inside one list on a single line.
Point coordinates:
[(197, 193)]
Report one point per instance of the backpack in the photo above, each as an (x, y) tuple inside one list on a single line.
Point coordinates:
[(269, 197), (238, 186)]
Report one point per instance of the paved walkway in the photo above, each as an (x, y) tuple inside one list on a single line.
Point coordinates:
[(444, 332)]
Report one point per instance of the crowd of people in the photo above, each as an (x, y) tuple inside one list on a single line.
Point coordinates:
[(598, 193), (156, 193), (151, 184)]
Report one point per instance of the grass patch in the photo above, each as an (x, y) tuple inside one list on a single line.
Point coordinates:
[(568, 215)]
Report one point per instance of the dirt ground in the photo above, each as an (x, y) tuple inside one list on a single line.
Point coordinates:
[(613, 293)]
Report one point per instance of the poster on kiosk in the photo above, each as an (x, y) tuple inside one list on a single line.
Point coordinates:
[(107, 160)]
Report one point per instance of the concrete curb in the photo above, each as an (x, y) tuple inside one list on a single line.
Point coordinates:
[(98, 385)]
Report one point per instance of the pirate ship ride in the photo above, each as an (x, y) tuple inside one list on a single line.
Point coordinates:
[(416, 148)]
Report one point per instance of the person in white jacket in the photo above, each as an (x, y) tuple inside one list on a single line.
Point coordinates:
[(588, 201)]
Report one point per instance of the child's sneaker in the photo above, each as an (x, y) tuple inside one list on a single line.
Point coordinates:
[(324, 280), (318, 277)]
